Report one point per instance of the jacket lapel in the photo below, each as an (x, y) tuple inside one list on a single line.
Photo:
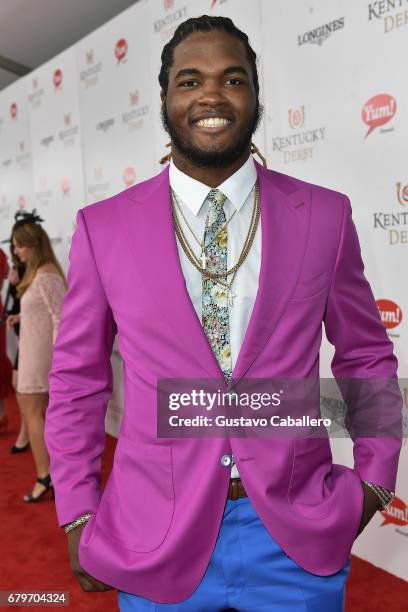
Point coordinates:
[(285, 216), (148, 222)]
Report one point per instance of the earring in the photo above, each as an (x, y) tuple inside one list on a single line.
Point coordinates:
[(256, 151), (167, 157)]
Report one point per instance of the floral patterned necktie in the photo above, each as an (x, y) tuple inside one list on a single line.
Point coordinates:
[(215, 315)]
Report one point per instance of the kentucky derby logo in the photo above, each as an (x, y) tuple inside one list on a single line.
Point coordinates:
[(13, 110), (129, 176), (134, 97), (402, 194), (57, 78), (390, 312), (296, 117), (379, 109), (121, 49)]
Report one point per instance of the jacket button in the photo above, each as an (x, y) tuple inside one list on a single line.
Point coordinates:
[(226, 460)]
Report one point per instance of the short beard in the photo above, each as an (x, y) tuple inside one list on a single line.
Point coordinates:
[(213, 158)]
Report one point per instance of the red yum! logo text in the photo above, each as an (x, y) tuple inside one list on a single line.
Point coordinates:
[(391, 314), (13, 110), (57, 78), (121, 49), (377, 111), (396, 513)]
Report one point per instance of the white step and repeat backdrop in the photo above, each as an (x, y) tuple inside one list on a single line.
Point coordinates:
[(86, 125)]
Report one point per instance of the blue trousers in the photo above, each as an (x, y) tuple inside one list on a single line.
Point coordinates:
[(248, 571)]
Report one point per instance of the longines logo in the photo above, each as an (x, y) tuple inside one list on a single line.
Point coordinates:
[(378, 110), (89, 76), (320, 34), (395, 222), (105, 125), (389, 12), (298, 146), (47, 141)]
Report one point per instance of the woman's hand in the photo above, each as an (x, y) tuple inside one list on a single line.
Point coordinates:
[(12, 276), (12, 320)]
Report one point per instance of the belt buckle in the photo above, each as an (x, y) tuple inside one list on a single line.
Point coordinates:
[(234, 488)]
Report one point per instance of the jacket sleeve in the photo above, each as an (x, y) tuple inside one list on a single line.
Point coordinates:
[(80, 384), (364, 364)]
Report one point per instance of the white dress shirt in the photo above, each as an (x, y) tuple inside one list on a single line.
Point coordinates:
[(192, 198)]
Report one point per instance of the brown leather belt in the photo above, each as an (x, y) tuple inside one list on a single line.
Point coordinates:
[(236, 489)]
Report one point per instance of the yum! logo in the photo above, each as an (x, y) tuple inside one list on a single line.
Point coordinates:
[(391, 314), (57, 78), (396, 513), (13, 110), (377, 111), (121, 49), (168, 4)]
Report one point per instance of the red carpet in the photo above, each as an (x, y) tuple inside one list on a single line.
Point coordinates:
[(34, 552)]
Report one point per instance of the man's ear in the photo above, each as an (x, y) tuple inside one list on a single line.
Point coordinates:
[(162, 97)]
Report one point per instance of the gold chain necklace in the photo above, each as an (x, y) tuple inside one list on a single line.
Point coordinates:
[(202, 245), (244, 253)]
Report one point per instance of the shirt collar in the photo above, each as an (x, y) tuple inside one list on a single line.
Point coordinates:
[(193, 193)]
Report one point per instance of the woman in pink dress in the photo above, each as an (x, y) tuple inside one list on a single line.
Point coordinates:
[(41, 291), (5, 363)]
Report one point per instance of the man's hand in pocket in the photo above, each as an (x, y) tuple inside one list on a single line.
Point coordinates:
[(87, 582)]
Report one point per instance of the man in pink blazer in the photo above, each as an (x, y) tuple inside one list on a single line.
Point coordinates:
[(175, 524)]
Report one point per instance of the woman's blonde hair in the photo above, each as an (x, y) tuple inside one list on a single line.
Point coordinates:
[(33, 235)]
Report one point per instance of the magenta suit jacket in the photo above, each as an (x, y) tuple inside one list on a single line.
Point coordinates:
[(157, 520)]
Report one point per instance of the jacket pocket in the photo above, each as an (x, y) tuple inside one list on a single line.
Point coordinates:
[(137, 505), (309, 492)]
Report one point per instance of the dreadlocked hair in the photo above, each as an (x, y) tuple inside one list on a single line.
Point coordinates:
[(205, 23)]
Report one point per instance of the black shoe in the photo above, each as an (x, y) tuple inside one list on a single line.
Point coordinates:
[(46, 482), (19, 449)]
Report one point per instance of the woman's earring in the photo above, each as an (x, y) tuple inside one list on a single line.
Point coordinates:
[(167, 157), (256, 151)]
